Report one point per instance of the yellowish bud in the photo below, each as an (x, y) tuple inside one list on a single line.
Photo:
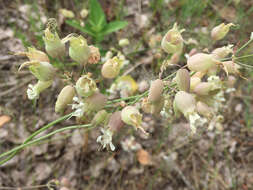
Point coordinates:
[(220, 53), (220, 31), (111, 68), (204, 109), (155, 91), (203, 88), (35, 55), (123, 42), (194, 82), (183, 80), (185, 103), (64, 98), (84, 13), (201, 62), (99, 118)]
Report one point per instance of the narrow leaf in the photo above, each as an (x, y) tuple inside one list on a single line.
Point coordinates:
[(114, 26)]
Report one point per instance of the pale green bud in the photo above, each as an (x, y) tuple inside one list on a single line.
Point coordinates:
[(43, 71), (185, 103), (53, 44), (79, 50), (201, 62), (123, 42), (155, 90), (172, 42), (84, 13), (64, 98), (67, 13), (111, 68), (220, 31), (85, 86), (183, 80)]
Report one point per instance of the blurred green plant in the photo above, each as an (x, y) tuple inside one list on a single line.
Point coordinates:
[(96, 25)]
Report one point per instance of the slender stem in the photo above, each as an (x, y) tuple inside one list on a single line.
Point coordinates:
[(245, 56), (20, 147), (35, 134), (244, 46)]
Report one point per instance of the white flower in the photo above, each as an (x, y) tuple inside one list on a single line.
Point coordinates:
[(32, 92), (196, 121), (79, 107), (108, 55), (106, 138)]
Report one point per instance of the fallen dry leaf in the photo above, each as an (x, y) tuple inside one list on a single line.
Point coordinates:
[(4, 119), (144, 157)]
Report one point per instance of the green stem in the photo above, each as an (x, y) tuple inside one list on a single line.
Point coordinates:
[(244, 46), (245, 56), (20, 147), (35, 134)]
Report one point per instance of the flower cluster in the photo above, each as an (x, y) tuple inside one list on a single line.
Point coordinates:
[(197, 90)]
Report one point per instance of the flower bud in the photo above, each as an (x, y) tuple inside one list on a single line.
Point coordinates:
[(183, 80), (53, 44), (79, 50), (111, 68), (67, 13), (64, 98), (43, 71), (172, 42), (220, 53), (126, 85), (85, 86), (203, 88), (230, 67), (131, 116), (34, 55), (201, 62), (220, 31), (204, 109), (96, 101), (84, 13), (194, 82), (99, 118), (94, 56), (157, 107), (123, 42), (185, 103), (33, 92), (155, 90), (115, 121)]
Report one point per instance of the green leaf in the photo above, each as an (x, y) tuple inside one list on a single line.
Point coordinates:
[(97, 15), (86, 29), (114, 26)]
